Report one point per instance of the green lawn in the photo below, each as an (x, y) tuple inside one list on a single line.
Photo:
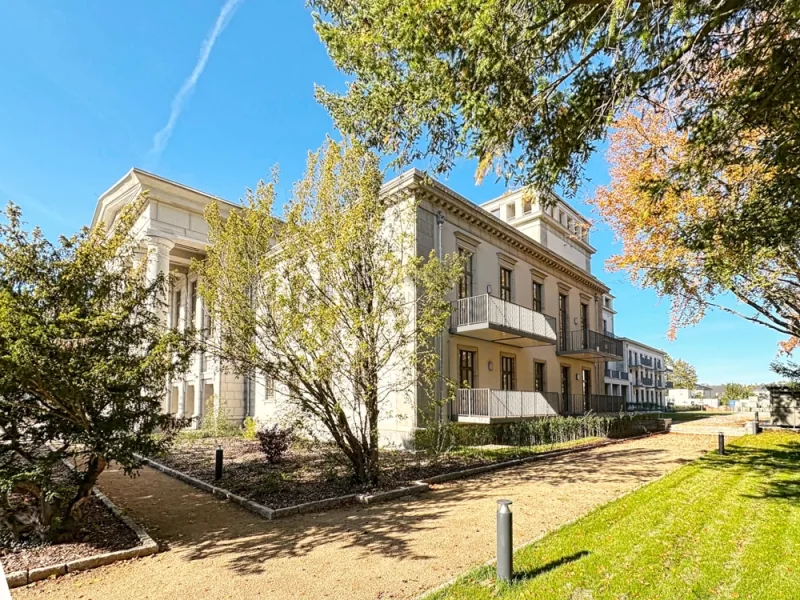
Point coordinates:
[(512, 452), (721, 527)]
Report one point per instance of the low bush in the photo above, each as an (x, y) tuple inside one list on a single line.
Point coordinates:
[(444, 436), (274, 442), (250, 429)]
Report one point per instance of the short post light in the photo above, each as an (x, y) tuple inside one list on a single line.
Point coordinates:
[(218, 464), (505, 542), (721, 443), (755, 429)]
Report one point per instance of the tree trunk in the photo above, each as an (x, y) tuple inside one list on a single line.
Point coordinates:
[(69, 527)]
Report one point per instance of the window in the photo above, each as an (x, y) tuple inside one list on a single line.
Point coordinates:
[(570, 225), (465, 284), (527, 205), (466, 368), (538, 377), (511, 210), (561, 216), (508, 375), (563, 319), (176, 310), (537, 296), (269, 388), (605, 326), (505, 284), (192, 303)]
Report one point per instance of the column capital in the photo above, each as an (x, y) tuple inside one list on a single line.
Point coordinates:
[(158, 241)]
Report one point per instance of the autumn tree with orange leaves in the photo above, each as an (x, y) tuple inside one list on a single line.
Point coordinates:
[(693, 230)]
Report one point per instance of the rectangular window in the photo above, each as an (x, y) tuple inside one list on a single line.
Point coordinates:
[(193, 304), (538, 377), (466, 368), (176, 314), (465, 284), (269, 388), (537, 296), (511, 210), (527, 205), (508, 373), (605, 326), (505, 284), (563, 319)]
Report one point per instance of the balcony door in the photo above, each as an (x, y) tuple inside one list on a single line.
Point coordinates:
[(508, 376), (563, 320), (466, 369), (465, 283), (565, 389), (505, 284), (538, 377), (587, 389), (585, 325)]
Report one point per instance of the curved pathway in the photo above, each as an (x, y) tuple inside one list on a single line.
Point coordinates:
[(212, 549)]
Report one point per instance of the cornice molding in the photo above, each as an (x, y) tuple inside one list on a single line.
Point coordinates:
[(474, 215)]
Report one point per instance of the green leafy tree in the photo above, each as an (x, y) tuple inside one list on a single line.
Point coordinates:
[(735, 391), (683, 376), (330, 299), (83, 365), (527, 88), (532, 85)]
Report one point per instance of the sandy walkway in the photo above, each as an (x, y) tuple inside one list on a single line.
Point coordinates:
[(215, 550)]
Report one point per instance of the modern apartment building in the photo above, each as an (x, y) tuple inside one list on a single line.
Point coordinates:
[(529, 333), (640, 377)]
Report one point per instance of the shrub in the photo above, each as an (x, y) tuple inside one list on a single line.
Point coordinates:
[(274, 442), (249, 429)]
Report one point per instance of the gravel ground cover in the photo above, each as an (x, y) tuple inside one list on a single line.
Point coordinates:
[(309, 474)]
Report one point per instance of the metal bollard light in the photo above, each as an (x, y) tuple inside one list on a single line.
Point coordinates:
[(218, 464), (755, 429), (505, 542), (721, 443)]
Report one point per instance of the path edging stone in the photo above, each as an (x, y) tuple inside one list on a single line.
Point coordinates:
[(146, 547), (417, 487)]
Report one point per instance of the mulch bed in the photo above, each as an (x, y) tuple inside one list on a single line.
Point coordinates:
[(102, 532), (306, 474)]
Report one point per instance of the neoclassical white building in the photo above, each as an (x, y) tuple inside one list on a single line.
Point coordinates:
[(530, 332)]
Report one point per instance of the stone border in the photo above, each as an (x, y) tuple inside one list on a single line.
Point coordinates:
[(416, 487), (146, 547)]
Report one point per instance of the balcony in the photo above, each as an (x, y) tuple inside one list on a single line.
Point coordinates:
[(646, 361), (614, 374), (483, 405), (579, 404), (590, 345), (646, 381), (668, 385), (489, 318)]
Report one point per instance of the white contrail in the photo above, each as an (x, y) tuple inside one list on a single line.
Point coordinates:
[(162, 137)]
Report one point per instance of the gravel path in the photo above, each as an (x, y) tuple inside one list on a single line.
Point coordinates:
[(215, 550)]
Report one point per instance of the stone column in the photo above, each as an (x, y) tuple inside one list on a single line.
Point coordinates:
[(198, 388), (157, 263), (181, 399)]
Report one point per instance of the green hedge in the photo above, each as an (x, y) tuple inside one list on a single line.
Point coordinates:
[(442, 437)]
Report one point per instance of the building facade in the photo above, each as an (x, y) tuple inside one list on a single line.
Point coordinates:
[(531, 331), (640, 377)]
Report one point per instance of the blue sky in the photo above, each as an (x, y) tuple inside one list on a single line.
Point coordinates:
[(213, 94)]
